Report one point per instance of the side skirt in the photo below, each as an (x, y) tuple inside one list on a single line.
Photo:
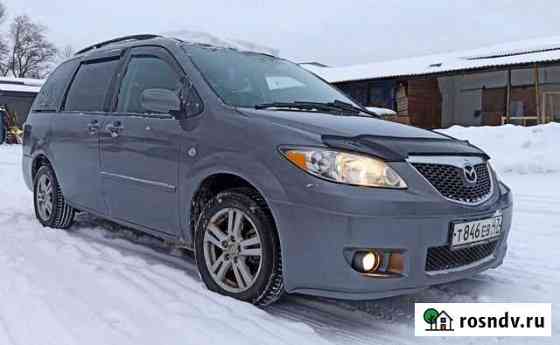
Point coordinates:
[(170, 240)]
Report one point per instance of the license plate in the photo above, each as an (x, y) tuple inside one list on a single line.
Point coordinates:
[(470, 233)]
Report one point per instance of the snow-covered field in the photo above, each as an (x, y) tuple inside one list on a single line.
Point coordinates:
[(95, 285)]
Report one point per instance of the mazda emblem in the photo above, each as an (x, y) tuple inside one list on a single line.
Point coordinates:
[(470, 174)]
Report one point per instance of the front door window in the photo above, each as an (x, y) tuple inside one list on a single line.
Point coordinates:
[(145, 72)]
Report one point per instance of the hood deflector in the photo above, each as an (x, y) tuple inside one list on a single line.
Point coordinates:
[(396, 149)]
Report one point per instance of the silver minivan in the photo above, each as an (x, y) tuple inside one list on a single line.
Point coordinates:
[(276, 180)]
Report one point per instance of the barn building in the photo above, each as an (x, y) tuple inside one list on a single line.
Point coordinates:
[(17, 95), (516, 83)]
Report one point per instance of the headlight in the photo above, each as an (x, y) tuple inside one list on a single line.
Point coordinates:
[(344, 167)]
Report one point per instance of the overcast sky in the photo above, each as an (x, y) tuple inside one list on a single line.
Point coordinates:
[(335, 32)]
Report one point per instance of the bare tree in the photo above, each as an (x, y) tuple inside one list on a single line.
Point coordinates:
[(31, 54), (3, 45), (2, 12)]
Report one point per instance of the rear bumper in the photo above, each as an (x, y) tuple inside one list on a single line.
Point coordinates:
[(314, 239)]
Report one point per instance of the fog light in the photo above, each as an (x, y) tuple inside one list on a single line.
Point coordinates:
[(366, 261)]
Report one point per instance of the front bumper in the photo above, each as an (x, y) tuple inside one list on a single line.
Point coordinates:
[(314, 238)]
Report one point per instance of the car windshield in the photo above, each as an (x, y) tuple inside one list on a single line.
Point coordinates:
[(244, 79)]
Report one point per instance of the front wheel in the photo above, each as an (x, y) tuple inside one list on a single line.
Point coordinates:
[(237, 248), (51, 208)]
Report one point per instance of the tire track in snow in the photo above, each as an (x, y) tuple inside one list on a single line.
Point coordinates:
[(338, 322), (326, 318)]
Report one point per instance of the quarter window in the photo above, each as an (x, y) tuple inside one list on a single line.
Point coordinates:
[(145, 72), (51, 93), (90, 86)]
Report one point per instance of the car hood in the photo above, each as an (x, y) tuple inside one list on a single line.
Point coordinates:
[(327, 124), (388, 140)]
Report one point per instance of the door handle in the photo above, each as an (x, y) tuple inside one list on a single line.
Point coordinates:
[(114, 128), (93, 127)]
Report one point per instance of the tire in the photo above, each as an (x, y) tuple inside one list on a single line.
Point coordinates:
[(264, 284), (45, 188)]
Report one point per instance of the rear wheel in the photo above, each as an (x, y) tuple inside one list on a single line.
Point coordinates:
[(51, 208), (237, 248)]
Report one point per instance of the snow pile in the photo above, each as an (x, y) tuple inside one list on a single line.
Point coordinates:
[(382, 111), (516, 149)]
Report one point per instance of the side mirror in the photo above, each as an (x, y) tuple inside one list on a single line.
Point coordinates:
[(161, 101)]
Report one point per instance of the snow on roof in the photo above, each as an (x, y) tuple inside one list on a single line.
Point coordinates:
[(20, 84), (19, 88), (208, 38), (546, 49), (25, 81)]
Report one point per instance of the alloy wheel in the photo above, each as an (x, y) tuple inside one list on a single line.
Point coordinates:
[(232, 250), (45, 197)]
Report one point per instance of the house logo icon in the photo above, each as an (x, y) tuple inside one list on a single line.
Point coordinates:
[(439, 321)]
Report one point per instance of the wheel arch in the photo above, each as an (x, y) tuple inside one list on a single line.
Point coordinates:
[(38, 161), (216, 182)]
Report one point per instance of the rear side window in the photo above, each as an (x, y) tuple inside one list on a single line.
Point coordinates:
[(90, 86), (53, 90), (145, 72)]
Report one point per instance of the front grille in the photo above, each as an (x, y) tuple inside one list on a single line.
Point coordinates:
[(450, 181), (443, 258)]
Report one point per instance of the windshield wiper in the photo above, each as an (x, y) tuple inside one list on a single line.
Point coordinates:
[(313, 106), (297, 105), (336, 106)]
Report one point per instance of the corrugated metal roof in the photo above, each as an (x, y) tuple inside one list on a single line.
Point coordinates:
[(522, 52)]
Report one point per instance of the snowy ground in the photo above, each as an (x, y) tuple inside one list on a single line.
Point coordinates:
[(94, 285)]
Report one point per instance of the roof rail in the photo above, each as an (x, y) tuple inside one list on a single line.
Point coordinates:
[(116, 40)]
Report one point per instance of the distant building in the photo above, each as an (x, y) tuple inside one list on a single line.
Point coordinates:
[(18, 95), (515, 83)]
